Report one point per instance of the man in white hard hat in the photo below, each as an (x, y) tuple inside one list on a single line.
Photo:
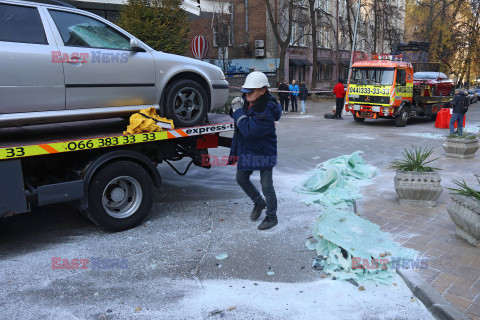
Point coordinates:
[(254, 145)]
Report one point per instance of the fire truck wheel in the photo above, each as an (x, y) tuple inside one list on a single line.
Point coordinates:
[(358, 119), (120, 196), (186, 103), (401, 119)]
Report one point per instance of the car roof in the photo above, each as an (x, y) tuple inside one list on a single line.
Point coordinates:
[(32, 3)]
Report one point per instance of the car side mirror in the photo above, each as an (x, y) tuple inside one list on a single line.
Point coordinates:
[(135, 46)]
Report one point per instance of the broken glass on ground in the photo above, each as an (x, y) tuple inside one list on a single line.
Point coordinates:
[(347, 246)]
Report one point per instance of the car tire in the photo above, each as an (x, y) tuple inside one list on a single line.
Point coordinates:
[(358, 119), (401, 119), (120, 196), (186, 103)]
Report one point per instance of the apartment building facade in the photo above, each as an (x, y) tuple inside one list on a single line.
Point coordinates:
[(241, 37)]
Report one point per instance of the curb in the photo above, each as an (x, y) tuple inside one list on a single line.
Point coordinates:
[(440, 308)]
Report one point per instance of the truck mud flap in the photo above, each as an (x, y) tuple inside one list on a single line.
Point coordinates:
[(12, 190)]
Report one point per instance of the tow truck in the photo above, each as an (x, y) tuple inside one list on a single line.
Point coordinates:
[(91, 165), (383, 88)]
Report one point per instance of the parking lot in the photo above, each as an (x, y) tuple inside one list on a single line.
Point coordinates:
[(167, 267)]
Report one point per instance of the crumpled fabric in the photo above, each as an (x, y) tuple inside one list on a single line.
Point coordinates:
[(146, 120), (346, 244)]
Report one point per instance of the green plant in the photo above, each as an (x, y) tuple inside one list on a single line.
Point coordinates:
[(161, 24), (464, 135), (415, 159), (465, 190)]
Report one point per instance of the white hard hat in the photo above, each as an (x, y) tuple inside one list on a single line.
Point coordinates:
[(254, 80)]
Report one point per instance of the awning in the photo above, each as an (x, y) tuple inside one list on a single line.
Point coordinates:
[(326, 62), (300, 62), (345, 62)]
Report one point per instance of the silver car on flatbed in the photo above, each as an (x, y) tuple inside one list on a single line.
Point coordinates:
[(63, 64)]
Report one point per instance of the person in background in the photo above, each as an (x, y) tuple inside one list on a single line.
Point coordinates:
[(303, 95), (460, 107), (339, 92), (254, 144), (283, 96), (293, 95)]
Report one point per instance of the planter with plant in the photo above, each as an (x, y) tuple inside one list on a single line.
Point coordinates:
[(465, 211), (461, 146), (415, 182)]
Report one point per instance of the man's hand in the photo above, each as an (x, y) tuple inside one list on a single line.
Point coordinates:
[(237, 103)]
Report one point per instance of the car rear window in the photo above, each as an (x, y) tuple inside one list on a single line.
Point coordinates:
[(21, 24), (425, 75)]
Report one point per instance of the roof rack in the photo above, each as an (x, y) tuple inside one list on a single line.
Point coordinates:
[(389, 57)]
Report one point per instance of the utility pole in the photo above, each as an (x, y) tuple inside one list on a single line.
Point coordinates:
[(354, 41)]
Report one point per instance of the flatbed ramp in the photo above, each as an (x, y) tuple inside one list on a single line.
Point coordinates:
[(36, 140)]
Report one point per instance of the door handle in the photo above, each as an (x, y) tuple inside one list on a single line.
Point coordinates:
[(74, 60)]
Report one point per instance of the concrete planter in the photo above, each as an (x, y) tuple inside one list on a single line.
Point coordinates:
[(417, 188), (465, 213), (463, 148)]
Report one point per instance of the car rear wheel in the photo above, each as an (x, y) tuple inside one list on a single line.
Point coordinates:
[(120, 196), (186, 103)]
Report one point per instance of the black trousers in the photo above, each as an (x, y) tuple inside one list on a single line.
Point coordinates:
[(284, 103), (294, 103), (339, 108)]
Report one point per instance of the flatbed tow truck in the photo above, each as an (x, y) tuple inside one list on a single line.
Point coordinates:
[(383, 88), (92, 166)]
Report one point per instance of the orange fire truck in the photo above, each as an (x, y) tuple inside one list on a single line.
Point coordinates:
[(383, 88)]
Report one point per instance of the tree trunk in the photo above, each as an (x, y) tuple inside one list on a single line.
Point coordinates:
[(313, 21), (282, 43)]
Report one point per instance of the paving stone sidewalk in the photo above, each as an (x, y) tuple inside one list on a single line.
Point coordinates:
[(453, 265)]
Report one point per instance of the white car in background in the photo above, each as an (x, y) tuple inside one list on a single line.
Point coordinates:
[(60, 64)]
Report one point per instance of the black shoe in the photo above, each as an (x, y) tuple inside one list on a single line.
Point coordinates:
[(340, 118), (257, 210), (268, 223)]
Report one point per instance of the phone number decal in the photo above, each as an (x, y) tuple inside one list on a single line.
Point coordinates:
[(369, 90), (112, 141)]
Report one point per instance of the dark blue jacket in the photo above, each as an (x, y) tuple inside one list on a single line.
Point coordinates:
[(460, 103), (254, 144)]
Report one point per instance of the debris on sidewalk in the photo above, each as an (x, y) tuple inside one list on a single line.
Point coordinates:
[(348, 246), (215, 312), (334, 182), (221, 256)]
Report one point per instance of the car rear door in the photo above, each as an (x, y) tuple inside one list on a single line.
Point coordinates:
[(101, 70), (29, 81)]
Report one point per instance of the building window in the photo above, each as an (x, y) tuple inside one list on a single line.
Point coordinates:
[(301, 35), (327, 72), (301, 74), (323, 5), (298, 37), (292, 37), (319, 72), (323, 37), (222, 35)]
